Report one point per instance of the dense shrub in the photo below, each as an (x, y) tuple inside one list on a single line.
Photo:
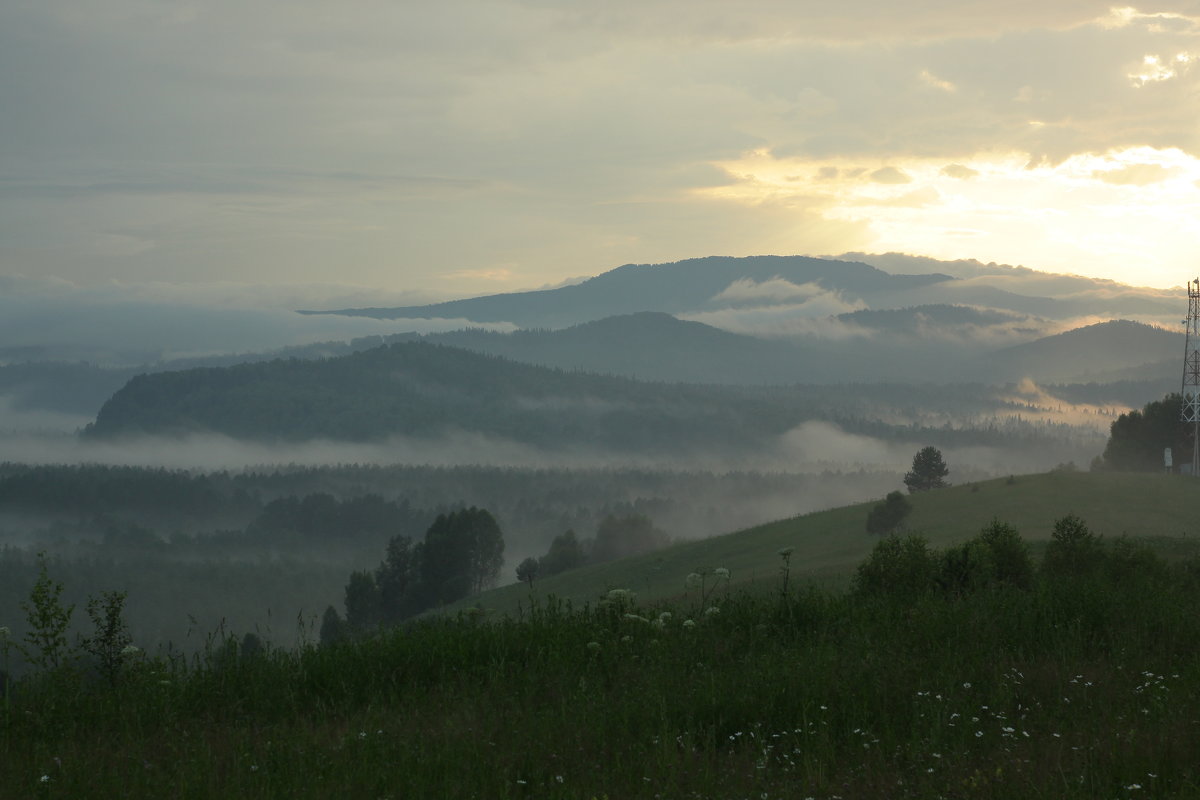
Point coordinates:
[(888, 516), (1073, 549), (897, 566)]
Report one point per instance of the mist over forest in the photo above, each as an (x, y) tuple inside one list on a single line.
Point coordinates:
[(702, 397)]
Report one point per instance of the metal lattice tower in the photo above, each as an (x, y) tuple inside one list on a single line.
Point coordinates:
[(1191, 371)]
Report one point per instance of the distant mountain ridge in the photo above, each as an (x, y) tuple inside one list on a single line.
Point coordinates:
[(1101, 351), (672, 288)]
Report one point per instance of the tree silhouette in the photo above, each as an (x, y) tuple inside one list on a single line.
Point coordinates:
[(527, 570), (928, 471), (887, 516)]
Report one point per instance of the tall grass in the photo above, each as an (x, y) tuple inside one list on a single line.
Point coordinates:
[(1080, 686)]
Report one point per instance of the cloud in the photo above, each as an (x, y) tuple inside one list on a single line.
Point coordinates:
[(783, 321), (778, 290), (890, 175), (929, 79), (822, 445), (959, 172), (1136, 174), (399, 145)]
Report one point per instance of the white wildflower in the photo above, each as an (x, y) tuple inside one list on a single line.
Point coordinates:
[(711, 611), (721, 572), (786, 551), (5, 632), (130, 650), (689, 623), (694, 580), (593, 646)]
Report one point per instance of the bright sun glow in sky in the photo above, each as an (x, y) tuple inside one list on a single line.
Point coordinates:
[(489, 145), (1131, 215)]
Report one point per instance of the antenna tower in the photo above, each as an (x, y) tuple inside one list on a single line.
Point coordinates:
[(1191, 371)]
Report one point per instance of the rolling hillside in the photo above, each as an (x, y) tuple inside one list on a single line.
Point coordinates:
[(1092, 353), (828, 545)]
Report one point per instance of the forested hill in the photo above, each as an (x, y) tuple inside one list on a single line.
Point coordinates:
[(426, 390), (423, 390)]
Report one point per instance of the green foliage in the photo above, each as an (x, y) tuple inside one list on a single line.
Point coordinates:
[(110, 639), (1073, 550), (363, 607), (618, 537), (565, 553), (333, 628), (888, 516), (527, 570), (928, 471), (1004, 695), (1137, 439), (397, 578), (46, 646), (1008, 555), (897, 567), (461, 554)]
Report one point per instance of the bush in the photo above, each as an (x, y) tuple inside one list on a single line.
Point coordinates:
[(1008, 553), (897, 566), (1128, 561), (889, 515), (998, 556), (1073, 549)]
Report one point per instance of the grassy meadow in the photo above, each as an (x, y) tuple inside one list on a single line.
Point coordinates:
[(1080, 680), (829, 544)]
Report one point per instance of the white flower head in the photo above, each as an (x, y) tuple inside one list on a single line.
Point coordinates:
[(5, 632), (130, 650), (689, 623), (786, 551), (711, 611), (593, 646), (721, 572), (694, 580)]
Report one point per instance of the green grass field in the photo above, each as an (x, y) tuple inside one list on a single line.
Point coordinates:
[(829, 544), (1083, 683)]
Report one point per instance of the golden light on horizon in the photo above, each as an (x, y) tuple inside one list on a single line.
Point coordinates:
[(1131, 215)]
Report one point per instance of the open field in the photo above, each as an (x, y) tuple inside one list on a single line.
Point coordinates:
[(1078, 682), (1080, 686), (828, 544)]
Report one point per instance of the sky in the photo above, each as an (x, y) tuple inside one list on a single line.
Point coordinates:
[(373, 153)]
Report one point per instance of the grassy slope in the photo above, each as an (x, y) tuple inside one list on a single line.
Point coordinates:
[(829, 544)]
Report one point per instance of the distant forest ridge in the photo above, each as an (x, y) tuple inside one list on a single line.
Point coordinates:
[(426, 391)]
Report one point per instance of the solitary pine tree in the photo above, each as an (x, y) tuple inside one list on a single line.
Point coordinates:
[(928, 471)]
